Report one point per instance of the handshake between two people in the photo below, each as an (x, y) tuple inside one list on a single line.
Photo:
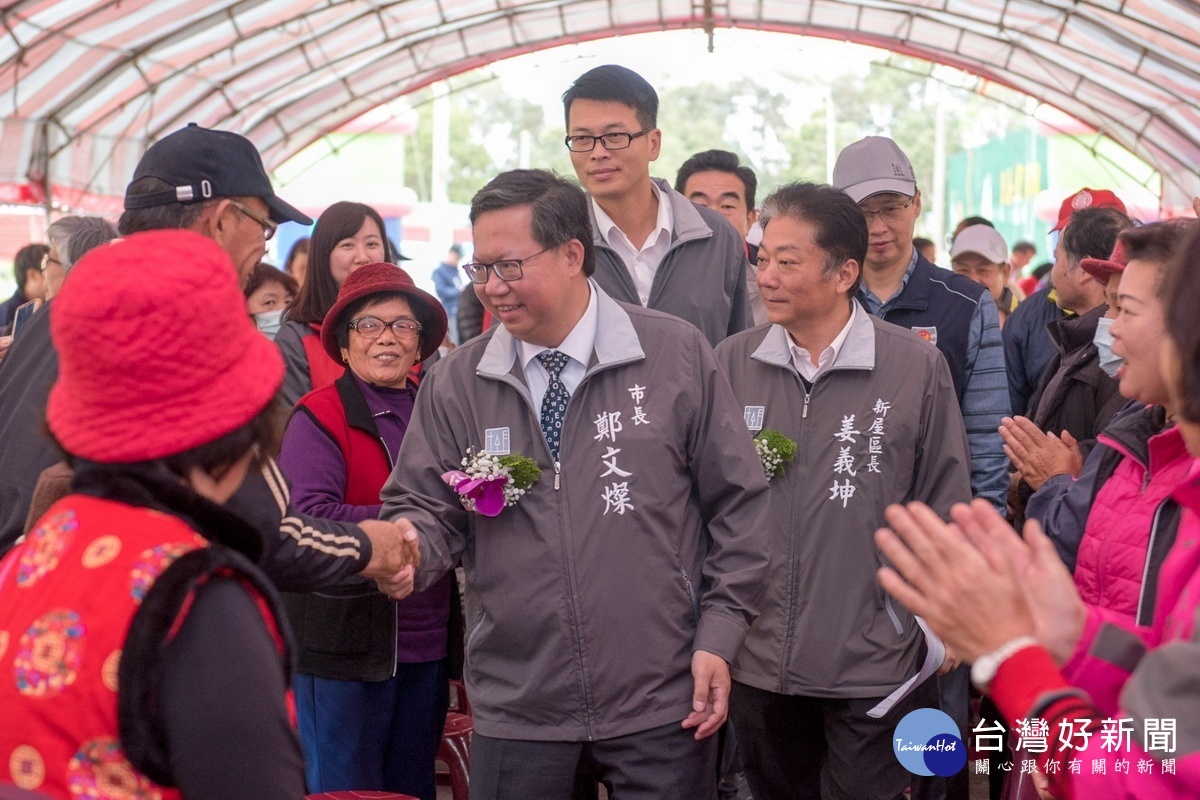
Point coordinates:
[(395, 555)]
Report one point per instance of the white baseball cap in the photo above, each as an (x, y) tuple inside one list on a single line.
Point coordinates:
[(874, 165), (982, 239)]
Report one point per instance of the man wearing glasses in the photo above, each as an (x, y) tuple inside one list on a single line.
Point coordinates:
[(212, 182), (611, 596), (29, 370), (950, 311), (654, 247)]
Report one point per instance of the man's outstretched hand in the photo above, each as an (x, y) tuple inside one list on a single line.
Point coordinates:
[(393, 547), (395, 554)]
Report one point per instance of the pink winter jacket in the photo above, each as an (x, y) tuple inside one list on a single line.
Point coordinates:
[(1125, 672), (1123, 521)]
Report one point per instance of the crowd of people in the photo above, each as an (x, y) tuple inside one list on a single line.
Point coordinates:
[(699, 496)]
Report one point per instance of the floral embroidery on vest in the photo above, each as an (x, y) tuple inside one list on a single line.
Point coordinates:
[(49, 654)]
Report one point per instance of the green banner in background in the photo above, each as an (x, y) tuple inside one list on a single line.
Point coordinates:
[(1019, 180), (1001, 181)]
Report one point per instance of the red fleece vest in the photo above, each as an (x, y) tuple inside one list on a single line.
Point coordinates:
[(322, 369), (367, 465)]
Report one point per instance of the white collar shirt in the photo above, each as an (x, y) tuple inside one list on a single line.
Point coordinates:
[(642, 262), (802, 359), (578, 346)]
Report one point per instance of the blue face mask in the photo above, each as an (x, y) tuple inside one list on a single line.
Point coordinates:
[(1110, 362), (269, 322)]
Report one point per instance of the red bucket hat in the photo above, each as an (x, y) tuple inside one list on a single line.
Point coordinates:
[(156, 352), (383, 278), (1087, 198), (1104, 268)]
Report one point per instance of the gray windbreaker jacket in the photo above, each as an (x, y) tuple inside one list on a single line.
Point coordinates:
[(590, 594), (880, 426), (701, 279)]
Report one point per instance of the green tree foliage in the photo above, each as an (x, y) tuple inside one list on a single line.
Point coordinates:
[(692, 118), (485, 138), (745, 118), (899, 102)]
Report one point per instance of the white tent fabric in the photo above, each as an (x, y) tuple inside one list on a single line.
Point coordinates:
[(85, 87)]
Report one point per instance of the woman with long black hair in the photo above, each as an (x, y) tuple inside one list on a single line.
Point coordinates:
[(347, 236)]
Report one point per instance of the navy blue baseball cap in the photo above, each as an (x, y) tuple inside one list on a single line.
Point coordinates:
[(202, 163)]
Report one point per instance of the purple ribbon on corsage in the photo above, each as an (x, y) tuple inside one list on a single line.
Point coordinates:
[(486, 495)]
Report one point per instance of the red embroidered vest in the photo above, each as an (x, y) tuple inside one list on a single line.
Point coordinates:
[(68, 594)]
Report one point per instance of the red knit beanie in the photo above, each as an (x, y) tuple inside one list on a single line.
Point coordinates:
[(156, 352)]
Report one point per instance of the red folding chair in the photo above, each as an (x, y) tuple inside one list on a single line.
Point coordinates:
[(455, 750)]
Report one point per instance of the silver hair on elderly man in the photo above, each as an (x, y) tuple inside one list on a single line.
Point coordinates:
[(70, 238)]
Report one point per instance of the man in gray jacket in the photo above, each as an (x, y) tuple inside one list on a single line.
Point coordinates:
[(609, 599), (873, 411), (654, 247)]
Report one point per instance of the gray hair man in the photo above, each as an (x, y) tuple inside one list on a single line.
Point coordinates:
[(27, 373), (70, 238)]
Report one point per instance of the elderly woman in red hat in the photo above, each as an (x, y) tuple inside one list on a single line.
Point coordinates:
[(141, 650), (347, 237), (371, 687)]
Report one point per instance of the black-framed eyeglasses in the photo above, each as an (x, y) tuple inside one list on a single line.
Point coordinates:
[(267, 225), (611, 141), (372, 327), (46, 259), (507, 270), (888, 214)]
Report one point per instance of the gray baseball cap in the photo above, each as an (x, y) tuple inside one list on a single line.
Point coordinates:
[(871, 166)]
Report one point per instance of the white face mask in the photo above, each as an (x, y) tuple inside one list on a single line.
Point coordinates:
[(1110, 362), (269, 322)]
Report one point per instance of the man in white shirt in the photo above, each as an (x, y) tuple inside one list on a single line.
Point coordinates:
[(718, 180), (654, 247)]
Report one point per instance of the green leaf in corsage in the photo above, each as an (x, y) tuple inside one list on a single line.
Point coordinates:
[(522, 470), (775, 450)]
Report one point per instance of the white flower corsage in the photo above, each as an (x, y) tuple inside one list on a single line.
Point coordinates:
[(775, 450), (488, 483)]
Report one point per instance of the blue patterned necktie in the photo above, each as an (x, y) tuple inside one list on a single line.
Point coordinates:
[(554, 402)]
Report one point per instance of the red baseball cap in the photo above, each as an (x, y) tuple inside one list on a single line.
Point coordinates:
[(1087, 198), (156, 352)]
